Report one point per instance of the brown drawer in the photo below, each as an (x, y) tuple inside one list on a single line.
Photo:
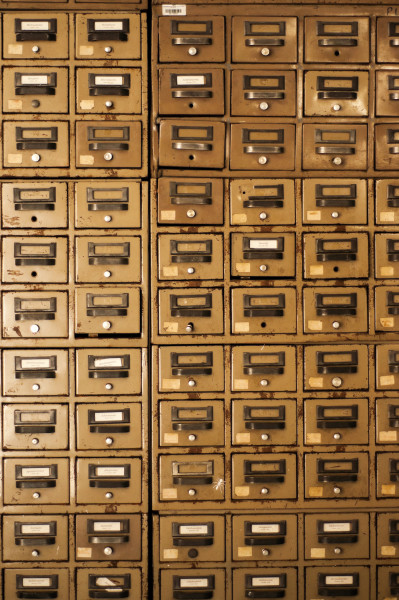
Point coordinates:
[(335, 147), (36, 35), (263, 311), (387, 39), (108, 480), (387, 466), (387, 421), (104, 204), (388, 535), (35, 314), (256, 477), (338, 582), (186, 91), (262, 582), (262, 202), (197, 311), (108, 91), (108, 537), (256, 368), (386, 202), (41, 145), (332, 367), (100, 260), (255, 147), (386, 147), (35, 372), (108, 37), (264, 423), (97, 581), (191, 423), (186, 478), (387, 93), (336, 93), (263, 255), (36, 480), (108, 426), (337, 475), (258, 93), (336, 421), (188, 582), (336, 255), (386, 255), (35, 259), (33, 204), (338, 202), (264, 39), (108, 371), (101, 145), (190, 201), (190, 256), (338, 310), (35, 426), (35, 90), (386, 308), (387, 366), (335, 536), (264, 537), (35, 538), (113, 310), (191, 39), (196, 144), (183, 538), (191, 368), (337, 39), (19, 583)]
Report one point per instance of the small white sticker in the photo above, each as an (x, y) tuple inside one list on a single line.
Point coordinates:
[(34, 79), (265, 581), (108, 26), (35, 25), (35, 472), (33, 528), (35, 363), (36, 582), (190, 80), (107, 526), (105, 417), (173, 10), (339, 580), (110, 471), (103, 363), (336, 527), (108, 80), (192, 582), (265, 528), (263, 244), (193, 529)]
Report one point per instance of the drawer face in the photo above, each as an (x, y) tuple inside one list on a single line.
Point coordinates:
[(187, 91), (35, 259), (107, 37), (188, 537), (336, 93), (100, 536), (33, 204), (387, 93), (336, 255), (183, 478), (264, 422), (35, 314), (387, 425), (104, 204), (108, 311), (191, 39), (335, 147), (264, 40), (190, 256), (338, 202), (35, 372), (190, 201), (256, 536), (387, 256), (204, 582), (191, 423), (262, 202), (387, 202), (386, 308), (196, 144), (337, 39), (336, 421), (263, 255), (35, 35), (256, 477), (387, 34), (335, 536), (29, 581), (262, 582), (258, 93), (35, 538), (256, 369), (191, 368), (387, 367), (101, 260), (108, 480), (108, 371), (338, 582), (108, 426), (116, 145), (343, 309), (263, 311), (97, 581), (340, 367), (336, 475), (36, 480), (109, 91), (257, 147), (35, 90), (387, 581), (35, 427), (386, 147), (45, 145), (387, 474), (197, 311), (388, 535)]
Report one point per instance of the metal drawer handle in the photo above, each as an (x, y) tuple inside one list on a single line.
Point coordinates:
[(192, 94), (121, 539), (191, 146), (35, 541), (264, 42), (263, 149), (338, 42), (335, 150), (108, 146), (200, 41), (264, 95)]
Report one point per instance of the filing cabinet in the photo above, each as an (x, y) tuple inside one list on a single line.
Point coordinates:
[(22, 583), (35, 259), (261, 582), (387, 36), (108, 537), (33, 204), (387, 366), (108, 311), (189, 583), (104, 145), (108, 480), (35, 538), (108, 583), (335, 147), (386, 308), (36, 480), (336, 93), (264, 537), (387, 93), (262, 202), (258, 93), (337, 39), (260, 477), (108, 91), (197, 311), (337, 582), (335, 536), (35, 90), (336, 421), (341, 310), (44, 145), (257, 369), (190, 256), (107, 36), (338, 202), (386, 202), (35, 36), (386, 146), (35, 314), (336, 255), (194, 40), (264, 39), (386, 255), (260, 311), (387, 535), (190, 201), (104, 204), (257, 423), (336, 367), (263, 255), (337, 475), (192, 537), (100, 260), (191, 423), (186, 91), (255, 146), (196, 144), (387, 425), (191, 368), (185, 478), (106, 426), (36, 372), (387, 465), (105, 371), (387, 581), (35, 427)]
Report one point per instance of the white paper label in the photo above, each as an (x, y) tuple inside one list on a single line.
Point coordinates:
[(265, 528), (192, 582), (173, 10), (107, 526), (105, 582), (265, 581), (263, 244), (108, 80), (36, 581), (108, 25), (336, 527), (339, 580), (193, 529), (34, 79), (35, 528), (190, 80), (112, 361), (35, 25), (105, 417), (110, 471), (35, 472), (35, 363)]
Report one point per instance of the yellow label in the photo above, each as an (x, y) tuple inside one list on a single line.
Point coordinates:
[(313, 215), (86, 159), (86, 104), (240, 384), (241, 490), (241, 327), (244, 551), (387, 380), (315, 492), (168, 215), (243, 267), (86, 50), (317, 553), (386, 271), (15, 104), (315, 325), (316, 382), (388, 490), (14, 159), (239, 218), (169, 494), (387, 321), (171, 438), (15, 49), (170, 554), (388, 550), (83, 552), (171, 384), (388, 436), (170, 327), (243, 438), (387, 217), (316, 270), (170, 271), (313, 438)]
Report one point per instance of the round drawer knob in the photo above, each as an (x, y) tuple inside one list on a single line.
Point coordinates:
[(192, 437), (35, 387), (264, 382), (107, 325), (192, 492), (262, 216), (337, 436), (108, 49), (262, 160), (191, 213), (336, 381), (36, 157), (108, 218), (108, 156), (109, 103), (263, 106), (192, 51), (35, 49), (265, 51), (36, 495), (107, 274), (109, 386), (108, 550), (337, 160), (109, 441), (35, 441)]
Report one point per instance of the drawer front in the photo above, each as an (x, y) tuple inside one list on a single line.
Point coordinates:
[(387, 415), (108, 146), (90, 582), (336, 367), (36, 481), (191, 39), (35, 372), (35, 90), (257, 536), (107, 37), (108, 480), (386, 147), (338, 582), (336, 475), (108, 371), (45, 145), (199, 537), (191, 424), (104, 204), (187, 91), (262, 147), (108, 91), (101, 536), (190, 201), (191, 368), (387, 35), (32, 204), (182, 478), (387, 535), (387, 256), (387, 474), (34, 259), (256, 369), (335, 147), (29, 581), (264, 582), (35, 426), (196, 144), (100, 260), (104, 426), (343, 309), (35, 314), (336, 93), (262, 202), (336, 421), (108, 311), (256, 93), (264, 40), (387, 93), (264, 423), (386, 308), (336, 256), (386, 202), (335, 536), (35, 538), (260, 311), (35, 36), (337, 39), (387, 366), (256, 477), (197, 311), (190, 256), (188, 582), (343, 201), (263, 255)]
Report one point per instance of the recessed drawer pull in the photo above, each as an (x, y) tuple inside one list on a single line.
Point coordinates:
[(199, 41), (263, 150), (192, 94), (332, 471), (191, 146), (264, 363), (338, 42), (337, 362), (334, 150), (120, 539), (264, 471), (264, 95), (264, 41)]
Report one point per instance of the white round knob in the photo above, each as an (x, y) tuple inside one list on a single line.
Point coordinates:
[(107, 325), (109, 441), (336, 324), (108, 49), (337, 160), (109, 386), (35, 49), (192, 383), (36, 157), (265, 552), (337, 550), (264, 437), (265, 51), (264, 491), (35, 387), (191, 213), (35, 552), (263, 216), (189, 327), (109, 495), (108, 156), (192, 492), (337, 436), (337, 381), (192, 51), (109, 103), (335, 214), (263, 268), (35, 441), (262, 160), (337, 107), (337, 490), (36, 495), (263, 106), (108, 218), (108, 550), (192, 437), (107, 274), (264, 382), (190, 270), (34, 328)]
